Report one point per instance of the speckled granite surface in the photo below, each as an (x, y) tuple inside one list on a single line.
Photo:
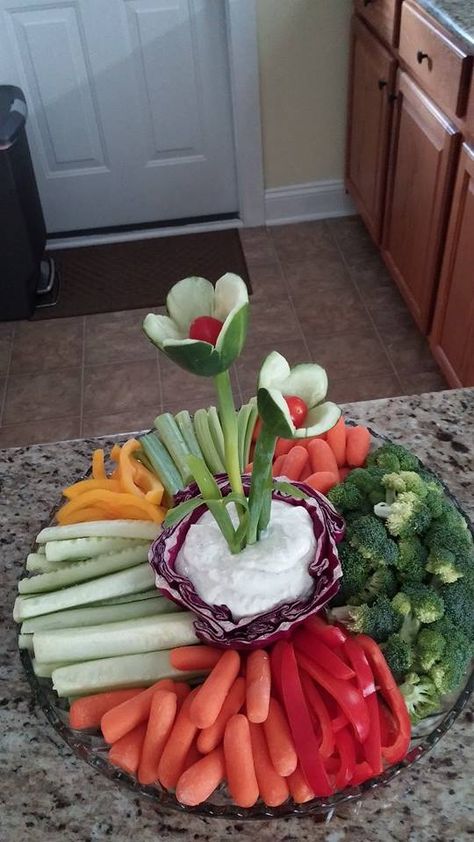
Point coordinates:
[(457, 16), (46, 794)]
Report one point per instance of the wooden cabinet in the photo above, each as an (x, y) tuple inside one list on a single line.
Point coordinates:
[(423, 156), (382, 15), (372, 78), (452, 337)]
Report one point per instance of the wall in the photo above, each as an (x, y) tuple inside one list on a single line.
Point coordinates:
[(303, 55)]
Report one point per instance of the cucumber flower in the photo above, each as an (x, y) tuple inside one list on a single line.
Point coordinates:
[(287, 395), (206, 328)]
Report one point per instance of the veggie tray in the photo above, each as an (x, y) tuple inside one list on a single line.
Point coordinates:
[(256, 613)]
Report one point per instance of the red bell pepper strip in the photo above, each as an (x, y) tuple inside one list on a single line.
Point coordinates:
[(388, 727), (317, 706), (358, 659), (275, 668), (330, 635), (373, 744), (300, 724), (307, 643), (362, 772), (398, 748), (346, 749), (339, 722), (348, 697)]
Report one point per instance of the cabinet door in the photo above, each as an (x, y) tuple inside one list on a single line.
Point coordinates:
[(371, 79), (422, 161), (452, 338)]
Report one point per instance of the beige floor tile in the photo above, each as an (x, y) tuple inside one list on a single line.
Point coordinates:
[(41, 396), (6, 339), (410, 354), (306, 276), (364, 388), (117, 337), (135, 420), (303, 241), (418, 383), (272, 321), (350, 356), (257, 245), (110, 389), (47, 345), (40, 432), (249, 363), (182, 390), (330, 313), (267, 282)]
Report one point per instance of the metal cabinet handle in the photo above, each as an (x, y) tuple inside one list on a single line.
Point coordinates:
[(420, 57), (382, 83), (368, 2)]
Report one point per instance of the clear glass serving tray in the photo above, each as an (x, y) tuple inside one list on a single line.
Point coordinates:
[(92, 748)]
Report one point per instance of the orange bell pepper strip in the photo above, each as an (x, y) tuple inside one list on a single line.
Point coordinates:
[(111, 501), (115, 452), (98, 466), (86, 514), (148, 482), (78, 488)]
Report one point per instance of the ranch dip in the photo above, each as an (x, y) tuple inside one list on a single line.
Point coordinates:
[(263, 575)]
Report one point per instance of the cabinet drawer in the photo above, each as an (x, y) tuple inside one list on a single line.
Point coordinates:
[(442, 68), (382, 15)]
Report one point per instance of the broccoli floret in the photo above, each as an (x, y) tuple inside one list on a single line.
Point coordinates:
[(382, 582), (451, 549), (369, 537), (393, 457), (355, 570), (369, 483), (442, 563), (407, 515), (421, 697), (410, 564), (430, 646), (448, 672), (346, 497), (405, 481), (378, 620), (399, 655), (458, 601), (424, 603)]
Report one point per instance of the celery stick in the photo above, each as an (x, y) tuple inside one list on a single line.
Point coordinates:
[(249, 431), (215, 430), (162, 463), (81, 571), (134, 580), (41, 550), (175, 444), (46, 670), (144, 529), (203, 435), (185, 424), (112, 673), (38, 563), (96, 615), (74, 549), (247, 413), (25, 641), (126, 637)]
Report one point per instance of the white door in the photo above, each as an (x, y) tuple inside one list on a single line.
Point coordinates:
[(129, 107)]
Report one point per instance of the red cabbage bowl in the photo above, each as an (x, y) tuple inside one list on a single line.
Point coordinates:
[(214, 624)]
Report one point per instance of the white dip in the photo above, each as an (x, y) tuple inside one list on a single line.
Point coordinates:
[(263, 575)]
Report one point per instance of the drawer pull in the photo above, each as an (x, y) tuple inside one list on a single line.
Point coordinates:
[(420, 57), (382, 84), (368, 2)]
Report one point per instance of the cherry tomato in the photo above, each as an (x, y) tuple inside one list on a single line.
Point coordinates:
[(206, 329), (298, 409)]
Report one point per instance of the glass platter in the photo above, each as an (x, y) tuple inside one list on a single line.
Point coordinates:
[(92, 749)]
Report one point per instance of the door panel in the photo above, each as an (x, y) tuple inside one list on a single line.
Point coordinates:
[(129, 107)]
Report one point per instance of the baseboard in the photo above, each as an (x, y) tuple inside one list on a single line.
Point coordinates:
[(300, 202)]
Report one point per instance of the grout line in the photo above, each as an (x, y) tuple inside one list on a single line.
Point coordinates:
[(362, 300), (7, 374), (292, 303), (83, 363)]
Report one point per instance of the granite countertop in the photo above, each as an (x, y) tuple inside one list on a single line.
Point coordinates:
[(47, 794), (457, 16)]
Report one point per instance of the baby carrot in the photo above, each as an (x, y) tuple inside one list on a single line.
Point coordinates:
[(240, 769), (182, 691), (283, 446), (272, 786), (277, 467), (299, 787), (89, 710), (358, 446), (259, 682), (295, 462), (126, 716), (201, 779), (174, 754), (210, 737), (160, 722), (336, 439), (322, 481), (192, 756), (194, 657), (322, 458), (279, 740), (211, 695), (343, 473), (126, 752)]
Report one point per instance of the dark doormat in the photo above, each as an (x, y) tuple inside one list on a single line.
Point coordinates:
[(129, 276)]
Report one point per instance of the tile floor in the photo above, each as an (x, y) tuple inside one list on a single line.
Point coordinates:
[(321, 292)]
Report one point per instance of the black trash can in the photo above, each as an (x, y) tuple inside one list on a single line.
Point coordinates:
[(22, 226)]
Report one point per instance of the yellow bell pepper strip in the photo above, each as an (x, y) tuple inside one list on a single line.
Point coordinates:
[(115, 452), (86, 514), (154, 496), (149, 483), (78, 488), (113, 501), (127, 468), (98, 466)]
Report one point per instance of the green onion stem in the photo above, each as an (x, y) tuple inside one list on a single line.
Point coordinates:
[(261, 488), (228, 418)]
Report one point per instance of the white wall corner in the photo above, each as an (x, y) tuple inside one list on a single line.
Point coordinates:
[(300, 202)]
